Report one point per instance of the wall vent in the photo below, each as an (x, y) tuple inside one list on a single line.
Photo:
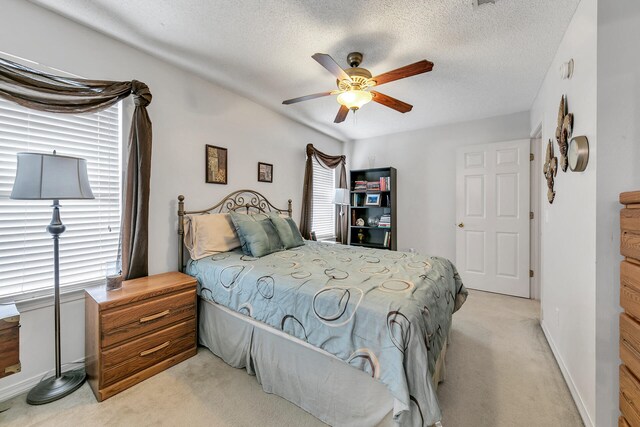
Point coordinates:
[(478, 3)]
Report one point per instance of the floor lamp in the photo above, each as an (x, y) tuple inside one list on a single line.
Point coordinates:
[(341, 198), (52, 177)]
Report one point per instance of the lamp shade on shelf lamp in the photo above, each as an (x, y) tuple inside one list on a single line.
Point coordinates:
[(51, 177), (42, 176), (354, 99), (341, 196)]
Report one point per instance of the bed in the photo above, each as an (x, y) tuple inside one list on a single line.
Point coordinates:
[(355, 336)]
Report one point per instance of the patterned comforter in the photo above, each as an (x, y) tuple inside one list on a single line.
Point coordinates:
[(386, 313)]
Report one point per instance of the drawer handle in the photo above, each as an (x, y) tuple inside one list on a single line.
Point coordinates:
[(154, 349), (154, 316)]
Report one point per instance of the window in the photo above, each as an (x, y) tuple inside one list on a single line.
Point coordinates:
[(324, 211), (91, 238)]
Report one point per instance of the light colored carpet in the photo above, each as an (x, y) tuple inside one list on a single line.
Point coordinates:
[(500, 369), (500, 372)]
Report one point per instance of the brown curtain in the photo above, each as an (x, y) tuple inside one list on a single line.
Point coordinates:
[(331, 162), (57, 94)]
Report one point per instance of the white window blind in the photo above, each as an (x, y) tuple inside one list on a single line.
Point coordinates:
[(324, 211), (91, 238)]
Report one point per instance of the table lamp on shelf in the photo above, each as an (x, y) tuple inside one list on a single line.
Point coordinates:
[(42, 176)]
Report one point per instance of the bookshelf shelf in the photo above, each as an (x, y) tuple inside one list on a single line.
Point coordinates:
[(381, 185), (370, 245), (370, 191)]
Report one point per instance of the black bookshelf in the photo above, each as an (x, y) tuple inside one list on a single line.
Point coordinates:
[(373, 204)]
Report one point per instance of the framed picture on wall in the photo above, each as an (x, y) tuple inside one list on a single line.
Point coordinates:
[(265, 172), (216, 159), (372, 200)]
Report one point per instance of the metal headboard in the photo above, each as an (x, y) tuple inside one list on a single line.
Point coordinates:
[(249, 200)]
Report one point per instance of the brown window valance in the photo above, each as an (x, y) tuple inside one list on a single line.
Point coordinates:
[(331, 162), (58, 94)]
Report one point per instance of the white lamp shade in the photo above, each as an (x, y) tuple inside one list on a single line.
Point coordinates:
[(341, 196), (354, 99), (51, 177)]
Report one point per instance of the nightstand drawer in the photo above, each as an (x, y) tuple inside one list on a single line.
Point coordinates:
[(630, 220), (9, 340), (630, 343), (121, 324), (630, 244), (629, 396), (9, 351), (630, 301), (125, 360)]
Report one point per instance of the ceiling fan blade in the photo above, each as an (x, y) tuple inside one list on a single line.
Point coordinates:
[(342, 114), (307, 97), (327, 62), (403, 72), (390, 102)]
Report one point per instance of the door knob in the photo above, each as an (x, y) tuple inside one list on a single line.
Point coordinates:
[(461, 225)]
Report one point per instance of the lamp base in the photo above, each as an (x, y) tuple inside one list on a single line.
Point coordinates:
[(53, 388)]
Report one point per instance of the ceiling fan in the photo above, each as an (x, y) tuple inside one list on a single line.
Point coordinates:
[(355, 83)]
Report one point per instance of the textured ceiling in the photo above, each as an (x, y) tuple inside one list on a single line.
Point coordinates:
[(489, 60)]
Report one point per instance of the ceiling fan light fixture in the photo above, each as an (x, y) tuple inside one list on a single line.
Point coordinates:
[(354, 99)]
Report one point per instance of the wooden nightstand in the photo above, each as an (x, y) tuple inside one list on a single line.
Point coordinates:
[(9, 340), (135, 332)]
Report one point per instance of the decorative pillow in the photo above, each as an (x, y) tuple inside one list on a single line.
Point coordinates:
[(258, 237), (259, 216), (210, 234), (287, 230)]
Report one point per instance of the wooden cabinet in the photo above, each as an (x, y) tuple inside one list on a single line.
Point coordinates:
[(630, 302), (372, 216), (137, 331), (9, 340)]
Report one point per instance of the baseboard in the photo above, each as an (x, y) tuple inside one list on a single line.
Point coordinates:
[(582, 409), (25, 385)]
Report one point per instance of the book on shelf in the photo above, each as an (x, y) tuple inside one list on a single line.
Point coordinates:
[(360, 186), (385, 183), (385, 221), (387, 239), (382, 184), (357, 199), (373, 186)]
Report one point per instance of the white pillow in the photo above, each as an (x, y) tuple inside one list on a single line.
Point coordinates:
[(209, 234)]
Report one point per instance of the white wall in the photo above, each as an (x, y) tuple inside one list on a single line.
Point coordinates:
[(187, 112), (568, 225), (425, 160), (618, 171)]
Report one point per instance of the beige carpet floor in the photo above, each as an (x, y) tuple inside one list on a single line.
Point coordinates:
[(500, 372)]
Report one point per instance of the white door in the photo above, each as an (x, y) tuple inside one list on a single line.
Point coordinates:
[(492, 209)]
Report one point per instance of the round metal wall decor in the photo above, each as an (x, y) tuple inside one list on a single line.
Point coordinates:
[(578, 153)]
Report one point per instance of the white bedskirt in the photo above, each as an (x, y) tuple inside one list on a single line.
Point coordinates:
[(311, 378)]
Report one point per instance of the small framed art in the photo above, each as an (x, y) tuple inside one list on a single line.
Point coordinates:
[(216, 160), (372, 200), (265, 172)]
